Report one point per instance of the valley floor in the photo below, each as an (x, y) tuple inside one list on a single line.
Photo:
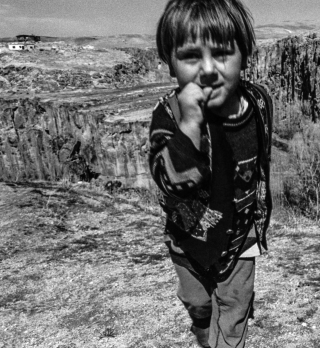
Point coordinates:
[(83, 268)]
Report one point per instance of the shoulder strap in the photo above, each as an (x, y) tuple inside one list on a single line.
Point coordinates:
[(269, 106), (268, 119), (174, 106)]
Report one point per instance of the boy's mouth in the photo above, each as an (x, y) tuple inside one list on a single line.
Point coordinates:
[(216, 86), (215, 92)]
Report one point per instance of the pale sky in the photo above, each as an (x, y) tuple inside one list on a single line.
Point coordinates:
[(280, 11), (109, 17)]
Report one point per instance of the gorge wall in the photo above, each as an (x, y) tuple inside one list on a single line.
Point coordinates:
[(104, 133), (290, 69)]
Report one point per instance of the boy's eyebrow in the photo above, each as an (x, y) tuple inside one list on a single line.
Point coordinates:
[(194, 46), (186, 49), (188, 46)]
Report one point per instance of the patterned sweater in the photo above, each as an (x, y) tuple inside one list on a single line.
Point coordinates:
[(210, 195), (241, 134)]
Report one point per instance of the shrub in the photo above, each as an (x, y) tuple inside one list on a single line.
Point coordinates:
[(290, 119), (302, 191)]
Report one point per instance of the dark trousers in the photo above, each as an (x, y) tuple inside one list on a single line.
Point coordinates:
[(219, 310)]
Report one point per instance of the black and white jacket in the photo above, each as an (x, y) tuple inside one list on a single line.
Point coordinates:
[(183, 175)]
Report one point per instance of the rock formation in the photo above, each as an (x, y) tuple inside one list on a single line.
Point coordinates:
[(94, 135), (289, 67), (81, 131)]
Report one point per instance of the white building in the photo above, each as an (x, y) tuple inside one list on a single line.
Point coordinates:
[(18, 46)]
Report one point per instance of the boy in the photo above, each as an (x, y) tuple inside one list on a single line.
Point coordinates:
[(210, 152)]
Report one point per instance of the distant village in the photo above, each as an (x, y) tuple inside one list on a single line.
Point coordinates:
[(29, 43), (32, 42), (24, 42)]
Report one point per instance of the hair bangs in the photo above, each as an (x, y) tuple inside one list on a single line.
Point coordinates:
[(204, 25), (207, 21), (220, 21)]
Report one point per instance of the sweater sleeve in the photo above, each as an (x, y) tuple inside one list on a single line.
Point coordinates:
[(177, 166)]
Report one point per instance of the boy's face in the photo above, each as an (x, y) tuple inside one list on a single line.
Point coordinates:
[(210, 65)]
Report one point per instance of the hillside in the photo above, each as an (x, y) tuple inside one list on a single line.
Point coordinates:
[(61, 65), (83, 268), (68, 84)]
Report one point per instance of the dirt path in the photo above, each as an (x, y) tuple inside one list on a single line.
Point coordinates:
[(82, 268)]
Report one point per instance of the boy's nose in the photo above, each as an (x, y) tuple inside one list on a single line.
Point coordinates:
[(208, 72)]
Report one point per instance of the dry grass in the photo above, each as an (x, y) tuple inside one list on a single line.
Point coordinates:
[(81, 268), (303, 189)]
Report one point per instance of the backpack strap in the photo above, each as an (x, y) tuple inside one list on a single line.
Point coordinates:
[(174, 106), (268, 114)]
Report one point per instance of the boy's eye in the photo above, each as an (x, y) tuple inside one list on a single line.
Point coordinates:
[(192, 56), (221, 53), (188, 55)]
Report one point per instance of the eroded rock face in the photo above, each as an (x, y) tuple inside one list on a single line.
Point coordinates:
[(83, 135), (290, 68), (79, 138)]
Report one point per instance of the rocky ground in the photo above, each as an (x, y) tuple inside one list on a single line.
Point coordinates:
[(85, 267), (80, 64)]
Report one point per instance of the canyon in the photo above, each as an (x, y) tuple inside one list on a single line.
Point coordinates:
[(81, 110)]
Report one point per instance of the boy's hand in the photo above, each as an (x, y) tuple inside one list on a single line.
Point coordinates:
[(192, 100)]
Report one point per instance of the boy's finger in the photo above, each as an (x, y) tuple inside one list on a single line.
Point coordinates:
[(207, 92)]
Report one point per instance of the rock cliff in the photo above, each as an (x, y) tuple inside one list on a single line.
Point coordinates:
[(79, 137), (289, 67), (103, 133)]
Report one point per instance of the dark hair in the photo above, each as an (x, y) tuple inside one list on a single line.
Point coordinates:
[(222, 21)]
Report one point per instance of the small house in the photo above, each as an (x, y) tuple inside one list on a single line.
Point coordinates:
[(18, 46), (24, 42)]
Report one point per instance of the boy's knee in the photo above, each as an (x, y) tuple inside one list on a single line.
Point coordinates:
[(195, 296), (199, 313)]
